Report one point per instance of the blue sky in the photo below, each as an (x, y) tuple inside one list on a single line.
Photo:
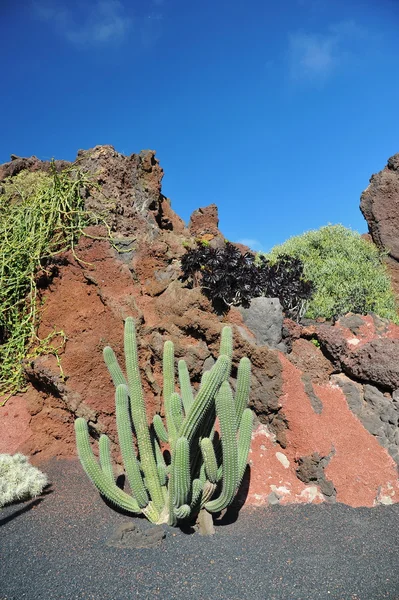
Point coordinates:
[(279, 112)]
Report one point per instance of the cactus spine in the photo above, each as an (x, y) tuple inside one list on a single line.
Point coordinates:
[(206, 469)]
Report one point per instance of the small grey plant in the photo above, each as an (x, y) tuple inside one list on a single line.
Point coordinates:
[(19, 480)]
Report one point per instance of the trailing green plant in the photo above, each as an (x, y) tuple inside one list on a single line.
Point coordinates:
[(205, 468), (347, 271), (228, 277), (41, 215), (19, 480)]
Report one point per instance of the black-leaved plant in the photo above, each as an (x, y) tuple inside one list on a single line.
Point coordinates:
[(230, 278)]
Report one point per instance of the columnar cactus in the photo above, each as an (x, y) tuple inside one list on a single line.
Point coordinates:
[(206, 468)]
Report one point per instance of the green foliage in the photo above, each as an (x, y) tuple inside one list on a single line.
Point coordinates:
[(18, 479), (202, 464), (41, 215), (347, 271)]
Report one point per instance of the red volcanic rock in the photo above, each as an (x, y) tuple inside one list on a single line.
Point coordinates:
[(358, 465), (379, 204), (380, 207), (308, 358), (204, 224), (364, 347), (15, 431)]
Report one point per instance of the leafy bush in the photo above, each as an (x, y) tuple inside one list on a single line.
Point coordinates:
[(230, 278), (348, 272), (18, 479)]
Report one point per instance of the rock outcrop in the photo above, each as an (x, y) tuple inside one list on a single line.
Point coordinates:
[(379, 204), (380, 207), (325, 395)]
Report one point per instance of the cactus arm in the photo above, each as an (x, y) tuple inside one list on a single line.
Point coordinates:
[(168, 365), (94, 472), (139, 416), (226, 346), (161, 465), (227, 420), (172, 519), (205, 397), (208, 424), (160, 429), (159, 457), (105, 457), (162, 475), (170, 422), (202, 474), (204, 377), (186, 390), (113, 366), (176, 411), (183, 512), (244, 442), (126, 445), (181, 464), (207, 492), (208, 454), (196, 492), (243, 387), (226, 342)]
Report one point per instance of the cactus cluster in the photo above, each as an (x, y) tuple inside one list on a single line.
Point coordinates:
[(19, 480), (206, 466)]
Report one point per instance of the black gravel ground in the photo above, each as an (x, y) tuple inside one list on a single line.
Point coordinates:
[(56, 548)]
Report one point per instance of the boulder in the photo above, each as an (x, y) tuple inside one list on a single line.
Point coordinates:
[(264, 318)]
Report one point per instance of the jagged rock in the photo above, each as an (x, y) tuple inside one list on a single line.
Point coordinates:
[(311, 469), (18, 164), (379, 204), (370, 356), (380, 207), (204, 224)]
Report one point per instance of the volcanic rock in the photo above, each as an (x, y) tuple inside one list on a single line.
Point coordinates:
[(379, 204), (380, 207)]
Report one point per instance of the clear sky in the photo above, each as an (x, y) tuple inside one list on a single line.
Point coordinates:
[(279, 112)]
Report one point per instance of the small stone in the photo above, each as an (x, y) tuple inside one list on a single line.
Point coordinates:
[(273, 498), (283, 459)]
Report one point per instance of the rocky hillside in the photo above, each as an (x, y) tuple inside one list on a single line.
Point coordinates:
[(326, 395)]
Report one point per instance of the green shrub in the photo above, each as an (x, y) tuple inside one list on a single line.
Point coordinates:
[(347, 271), (41, 215), (18, 479)]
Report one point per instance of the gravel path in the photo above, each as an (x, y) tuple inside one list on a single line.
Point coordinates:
[(57, 547)]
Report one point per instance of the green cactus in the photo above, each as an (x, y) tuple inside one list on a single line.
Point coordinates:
[(205, 469)]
